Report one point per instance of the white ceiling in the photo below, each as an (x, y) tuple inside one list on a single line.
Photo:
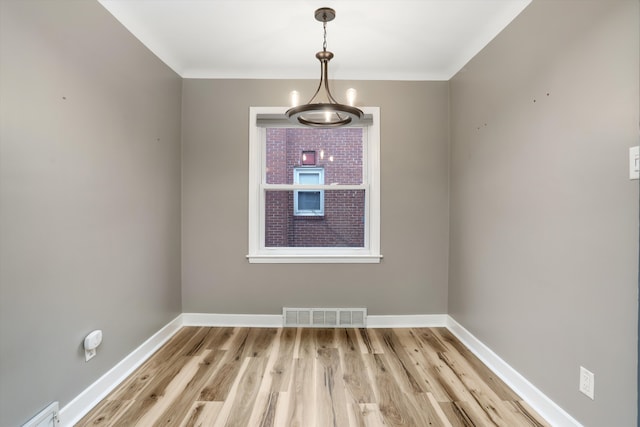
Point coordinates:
[(371, 40)]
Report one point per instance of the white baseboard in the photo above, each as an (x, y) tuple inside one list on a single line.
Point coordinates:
[(92, 395), (544, 406), (275, 320), (407, 321), (244, 320)]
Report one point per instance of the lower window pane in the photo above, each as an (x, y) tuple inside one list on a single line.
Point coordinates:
[(308, 200), (342, 224)]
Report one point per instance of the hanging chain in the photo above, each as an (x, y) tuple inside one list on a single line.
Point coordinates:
[(324, 44)]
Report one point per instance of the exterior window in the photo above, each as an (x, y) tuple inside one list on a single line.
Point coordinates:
[(314, 193), (310, 202), (308, 158)]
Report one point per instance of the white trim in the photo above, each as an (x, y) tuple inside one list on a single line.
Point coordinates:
[(72, 412), (240, 320), (372, 151), (315, 259), (407, 321), (276, 320), (544, 406), (258, 254)]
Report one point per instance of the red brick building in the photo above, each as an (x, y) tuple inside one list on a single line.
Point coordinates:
[(329, 218)]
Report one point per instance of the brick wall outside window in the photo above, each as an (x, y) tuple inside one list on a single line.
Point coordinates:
[(342, 224)]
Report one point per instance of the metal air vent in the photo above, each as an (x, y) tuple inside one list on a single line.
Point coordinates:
[(325, 317)]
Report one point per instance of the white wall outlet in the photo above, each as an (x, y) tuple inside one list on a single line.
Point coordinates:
[(634, 162), (91, 342), (48, 417), (587, 382)]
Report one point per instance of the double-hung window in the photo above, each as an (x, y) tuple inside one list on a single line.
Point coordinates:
[(308, 202), (314, 194)]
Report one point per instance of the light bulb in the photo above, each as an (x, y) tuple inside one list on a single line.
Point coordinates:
[(351, 96), (322, 154), (295, 98)]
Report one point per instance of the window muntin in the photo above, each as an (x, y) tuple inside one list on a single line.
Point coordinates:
[(356, 229)]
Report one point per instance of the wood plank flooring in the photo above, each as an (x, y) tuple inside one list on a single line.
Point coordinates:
[(287, 377)]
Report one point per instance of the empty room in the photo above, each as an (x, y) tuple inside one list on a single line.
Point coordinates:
[(445, 234)]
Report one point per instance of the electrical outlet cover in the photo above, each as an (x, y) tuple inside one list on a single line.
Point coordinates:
[(587, 382)]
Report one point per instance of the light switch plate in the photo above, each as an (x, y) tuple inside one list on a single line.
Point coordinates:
[(634, 162)]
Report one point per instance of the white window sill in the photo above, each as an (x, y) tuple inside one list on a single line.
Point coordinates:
[(314, 259)]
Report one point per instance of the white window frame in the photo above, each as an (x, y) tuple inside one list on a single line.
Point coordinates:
[(258, 187), (296, 180)]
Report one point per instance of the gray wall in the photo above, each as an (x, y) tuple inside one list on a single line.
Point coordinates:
[(544, 219), (412, 278), (89, 198)]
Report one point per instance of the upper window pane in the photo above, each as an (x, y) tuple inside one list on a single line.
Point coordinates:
[(338, 151)]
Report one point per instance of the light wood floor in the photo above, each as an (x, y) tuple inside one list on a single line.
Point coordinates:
[(312, 378)]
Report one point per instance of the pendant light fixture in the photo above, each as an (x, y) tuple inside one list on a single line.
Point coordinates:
[(323, 110)]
